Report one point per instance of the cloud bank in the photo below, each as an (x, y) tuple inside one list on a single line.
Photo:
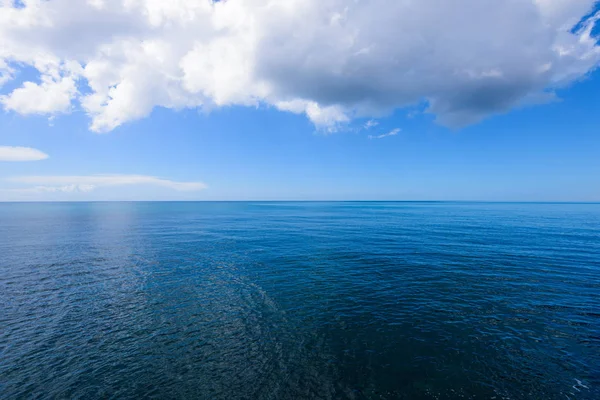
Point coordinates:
[(84, 184), (8, 153), (333, 60)]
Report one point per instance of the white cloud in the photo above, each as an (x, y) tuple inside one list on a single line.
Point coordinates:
[(393, 132), (90, 182), (8, 153), (56, 189), (371, 124), (6, 72), (49, 97), (332, 60)]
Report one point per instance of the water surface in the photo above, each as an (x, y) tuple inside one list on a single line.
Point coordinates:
[(299, 300)]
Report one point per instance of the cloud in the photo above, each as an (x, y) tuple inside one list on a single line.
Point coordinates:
[(393, 132), (8, 153), (82, 184), (332, 60), (5, 72), (371, 124), (49, 97), (57, 189)]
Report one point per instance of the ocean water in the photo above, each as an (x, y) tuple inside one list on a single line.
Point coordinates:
[(299, 301)]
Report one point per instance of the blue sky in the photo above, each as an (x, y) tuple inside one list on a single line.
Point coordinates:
[(326, 132)]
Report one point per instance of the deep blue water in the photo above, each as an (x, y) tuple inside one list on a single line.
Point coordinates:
[(299, 301)]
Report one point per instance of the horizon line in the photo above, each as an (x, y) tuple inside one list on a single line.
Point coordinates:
[(308, 201)]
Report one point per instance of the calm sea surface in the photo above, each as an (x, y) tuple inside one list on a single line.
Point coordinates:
[(299, 301)]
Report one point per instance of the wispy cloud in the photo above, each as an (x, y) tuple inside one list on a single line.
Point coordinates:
[(8, 153), (87, 183), (56, 189), (371, 124), (391, 133)]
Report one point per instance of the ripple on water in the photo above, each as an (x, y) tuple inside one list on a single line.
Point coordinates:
[(300, 300)]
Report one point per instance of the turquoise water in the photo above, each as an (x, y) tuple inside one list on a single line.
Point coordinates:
[(299, 301)]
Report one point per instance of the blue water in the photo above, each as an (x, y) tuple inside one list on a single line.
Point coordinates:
[(299, 301)]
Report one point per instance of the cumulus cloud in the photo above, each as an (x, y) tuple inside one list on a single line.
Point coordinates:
[(393, 132), (333, 60), (71, 184), (9, 153), (49, 97)]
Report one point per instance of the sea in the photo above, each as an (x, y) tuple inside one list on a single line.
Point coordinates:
[(299, 300)]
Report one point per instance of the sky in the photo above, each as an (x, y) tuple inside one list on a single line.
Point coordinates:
[(482, 100)]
